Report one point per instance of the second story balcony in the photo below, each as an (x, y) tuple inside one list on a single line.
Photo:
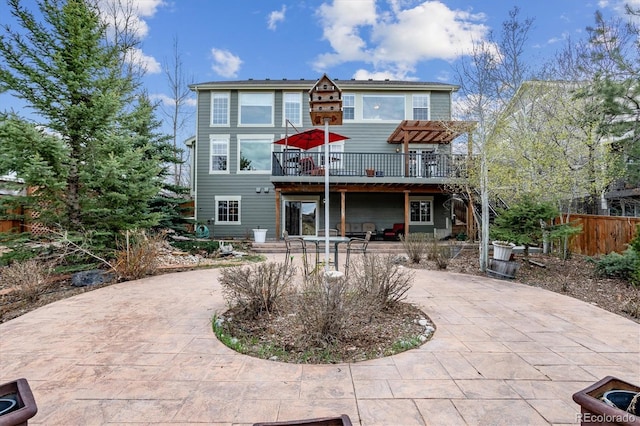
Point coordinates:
[(303, 166)]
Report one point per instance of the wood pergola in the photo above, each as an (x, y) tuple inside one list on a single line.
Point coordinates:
[(432, 132)]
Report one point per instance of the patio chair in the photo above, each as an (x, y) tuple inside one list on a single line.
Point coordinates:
[(306, 165), (358, 245), (289, 241)]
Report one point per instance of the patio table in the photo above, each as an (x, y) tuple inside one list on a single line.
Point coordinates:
[(320, 239)]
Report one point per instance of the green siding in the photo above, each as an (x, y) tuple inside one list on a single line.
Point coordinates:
[(258, 209)]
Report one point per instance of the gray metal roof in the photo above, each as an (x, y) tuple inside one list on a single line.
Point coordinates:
[(307, 84)]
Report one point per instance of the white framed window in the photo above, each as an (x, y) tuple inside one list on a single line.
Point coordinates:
[(255, 109), (219, 154), (420, 107), (348, 106), (219, 109), (255, 153), (383, 107), (421, 210), (292, 105), (228, 209), (336, 155)]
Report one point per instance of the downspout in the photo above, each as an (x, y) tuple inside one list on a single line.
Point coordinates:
[(195, 161)]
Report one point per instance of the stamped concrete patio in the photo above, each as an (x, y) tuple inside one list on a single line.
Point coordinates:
[(143, 352)]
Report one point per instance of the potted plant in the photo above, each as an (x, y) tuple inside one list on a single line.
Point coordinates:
[(502, 249), (259, 235), (371, 172), (527, 224)]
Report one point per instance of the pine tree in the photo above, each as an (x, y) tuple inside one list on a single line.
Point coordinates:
[(95, 167)]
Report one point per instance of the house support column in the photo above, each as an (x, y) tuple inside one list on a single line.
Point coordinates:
[(471, 220), (278, 214), (406, 212), (343, 209)]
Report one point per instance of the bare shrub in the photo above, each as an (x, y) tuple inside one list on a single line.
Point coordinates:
[(440, 252), (257, 288), (381, 279), (415, 245), (325, 308), (137, 255), (632, 306), (28, 280)]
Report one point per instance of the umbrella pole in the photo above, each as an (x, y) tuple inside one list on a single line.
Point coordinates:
[(326, 194)]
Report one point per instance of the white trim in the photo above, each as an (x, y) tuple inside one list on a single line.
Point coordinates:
[(219, 138), (302, 198), (264, 138), (273, 107), (384, 96), (284, 113), (218, 198), (228, 96), (428, 96), (431, 208)]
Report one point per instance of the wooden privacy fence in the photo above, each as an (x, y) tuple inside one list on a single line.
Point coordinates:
[(602, 234)]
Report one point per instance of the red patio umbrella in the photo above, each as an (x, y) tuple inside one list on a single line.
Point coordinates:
[(308, 139)]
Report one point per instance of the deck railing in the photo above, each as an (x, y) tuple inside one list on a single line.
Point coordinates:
[(301, 163)]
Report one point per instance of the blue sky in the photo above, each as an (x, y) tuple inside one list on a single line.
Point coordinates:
[(396, 39)]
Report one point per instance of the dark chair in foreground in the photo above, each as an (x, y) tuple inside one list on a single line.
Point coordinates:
[(290, 242), (358, 245)]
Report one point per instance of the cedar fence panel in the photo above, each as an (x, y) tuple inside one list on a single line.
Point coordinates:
[(602, 234)]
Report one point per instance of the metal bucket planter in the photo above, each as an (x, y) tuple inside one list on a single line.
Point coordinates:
[(502, 268), (259, 235), (502, 250)]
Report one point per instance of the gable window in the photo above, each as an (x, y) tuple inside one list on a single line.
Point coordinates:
[(293, 108), (227, 209), (420, 107), (256, 109), (348, 106), (219, 109), (383, 107), (421, 211), (219, 158), (255, 153)]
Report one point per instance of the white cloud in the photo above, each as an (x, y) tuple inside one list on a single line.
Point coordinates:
[(618, 6), (130, 17), (148, 63), (225, 63), (394, 41), (131, 14), (169, 101), (275, 17)]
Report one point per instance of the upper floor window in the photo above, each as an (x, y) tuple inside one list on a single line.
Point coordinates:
[(420, 107), (383, 107), (421, 211), (255, 153), (256, 109), (219, 158), (293, 108), (219, 109), (348, 106)]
